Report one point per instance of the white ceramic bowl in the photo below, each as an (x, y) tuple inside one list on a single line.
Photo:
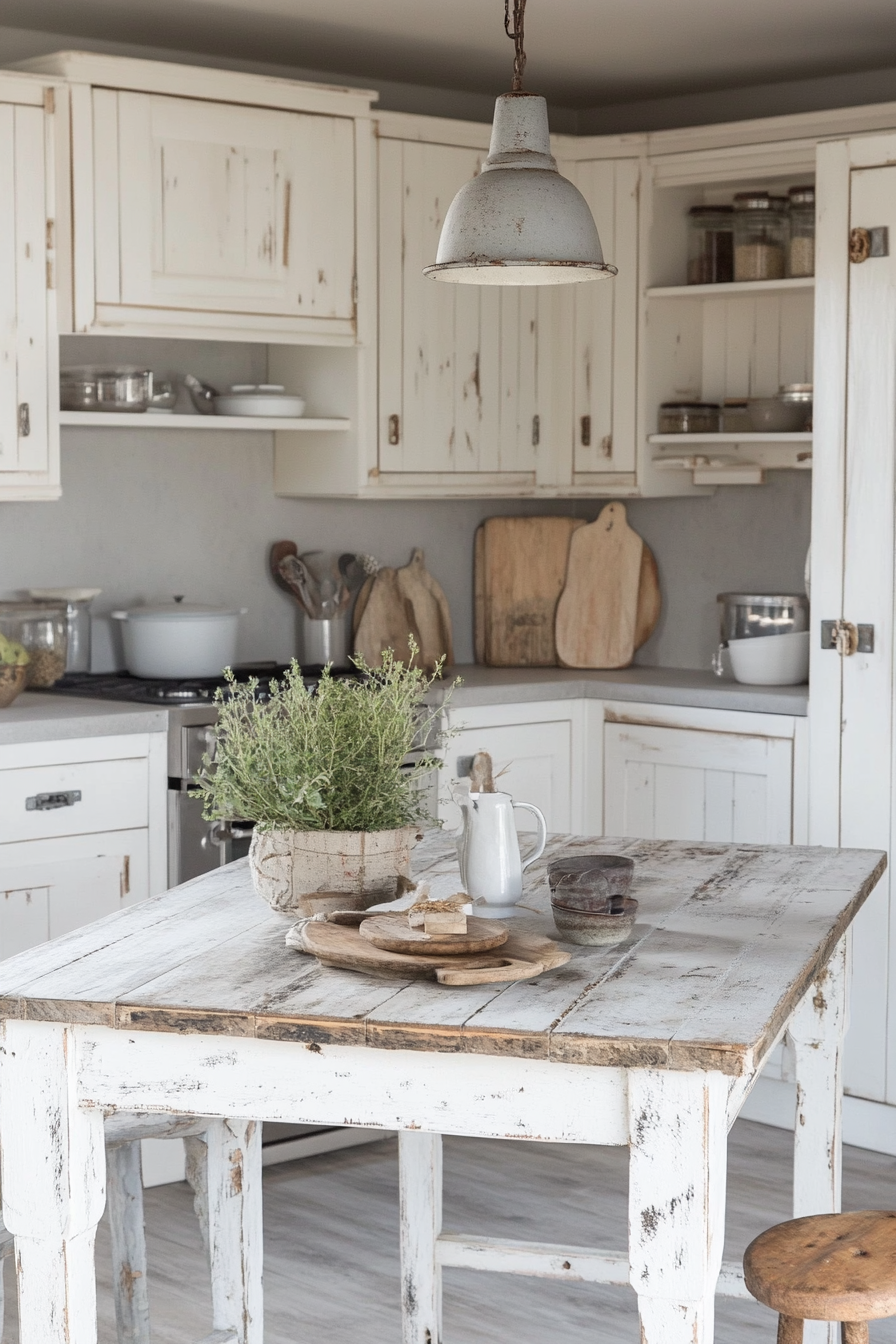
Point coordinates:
[(259, 399), (771, 660)]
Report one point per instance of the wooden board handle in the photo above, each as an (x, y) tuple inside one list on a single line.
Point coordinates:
[(508, 968)]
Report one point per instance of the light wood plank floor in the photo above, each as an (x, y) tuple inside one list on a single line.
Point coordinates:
[(331, 1243)]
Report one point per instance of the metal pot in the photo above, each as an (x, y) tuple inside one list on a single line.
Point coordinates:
[(755, 615), (179, 640)]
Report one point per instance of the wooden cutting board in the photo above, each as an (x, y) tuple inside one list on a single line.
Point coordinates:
[(512, 596), (393, 933), (597, 614), (523, 955), (520, 568), (397, 604)]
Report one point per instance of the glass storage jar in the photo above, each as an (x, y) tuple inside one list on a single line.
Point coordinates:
[(760, 236), (41, 629), (801, 247), (689, 417), (710, 244)]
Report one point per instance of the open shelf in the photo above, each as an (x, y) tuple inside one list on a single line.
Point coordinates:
[(265, 424), (732, 287), (729, 438)]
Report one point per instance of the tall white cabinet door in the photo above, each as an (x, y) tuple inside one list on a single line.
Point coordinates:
[(459, 377), (220, 208), (26, 448), (677, 784), (534, 761), (606, 321)]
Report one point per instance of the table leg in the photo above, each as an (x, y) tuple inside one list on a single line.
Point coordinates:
[(420, 1192), (678, 1149), (233, 1201), (53, 1177), (816, 1032)]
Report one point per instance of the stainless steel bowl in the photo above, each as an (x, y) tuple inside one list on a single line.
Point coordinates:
[(105, 389), (745, 615)]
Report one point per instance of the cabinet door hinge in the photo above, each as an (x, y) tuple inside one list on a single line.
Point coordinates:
[(606, 445), (847, 638), (51, 275)]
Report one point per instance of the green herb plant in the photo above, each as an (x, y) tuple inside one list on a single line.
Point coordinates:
[(327, 758)]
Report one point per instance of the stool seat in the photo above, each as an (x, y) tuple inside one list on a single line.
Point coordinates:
[(831, 1267)]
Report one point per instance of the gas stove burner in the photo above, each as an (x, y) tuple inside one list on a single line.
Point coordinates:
[(183, 694)]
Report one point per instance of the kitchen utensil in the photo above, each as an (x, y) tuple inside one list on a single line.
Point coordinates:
[(774, 415), (607, 874), (522, 956), (12, 683), (488, 850), (77, 613), (782, 661), (202, 394), (278, 552), (40, 627), (748, 615), (394, 934), (397, 604), (179, 639), (324, 582), (259, 399), (164, 396), (597, 614), (594, 920), (96, 388)]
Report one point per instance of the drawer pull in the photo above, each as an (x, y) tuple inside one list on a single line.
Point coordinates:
[(48, 802)]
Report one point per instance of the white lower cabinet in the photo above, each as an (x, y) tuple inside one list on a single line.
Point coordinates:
[(677, 784)]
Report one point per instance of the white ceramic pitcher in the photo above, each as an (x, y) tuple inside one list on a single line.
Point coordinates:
[(488, 851)]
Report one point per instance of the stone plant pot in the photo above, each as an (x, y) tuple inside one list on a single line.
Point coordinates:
[(306, 872), (12, 682)]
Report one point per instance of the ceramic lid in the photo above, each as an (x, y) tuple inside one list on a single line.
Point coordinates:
[(164, 611)]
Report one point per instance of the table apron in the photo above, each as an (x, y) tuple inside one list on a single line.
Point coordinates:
[(485, 1096)]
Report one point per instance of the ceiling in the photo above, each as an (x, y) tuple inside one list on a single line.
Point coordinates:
[(582, 53)]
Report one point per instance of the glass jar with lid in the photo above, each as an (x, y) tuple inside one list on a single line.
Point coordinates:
[(801, 247), (760, 236), (710, 244), (689, 417), (40, 627)]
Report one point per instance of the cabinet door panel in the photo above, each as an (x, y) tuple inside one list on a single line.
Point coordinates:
[(233, 209), (458, 363), (678, 784), (606, 314), (534, 761)]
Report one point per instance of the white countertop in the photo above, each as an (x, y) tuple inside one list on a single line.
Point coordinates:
[(35, 717), (650, 685)]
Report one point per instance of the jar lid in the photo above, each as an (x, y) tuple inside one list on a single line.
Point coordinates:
[(64, 594), (163, 611), (711, 210), (802, 195), (758, 200), (690, 406)]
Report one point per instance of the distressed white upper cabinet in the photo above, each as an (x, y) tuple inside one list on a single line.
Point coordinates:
[(29, 443), (214, 202)]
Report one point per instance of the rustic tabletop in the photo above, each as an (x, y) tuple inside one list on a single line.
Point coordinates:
[(727, 940)]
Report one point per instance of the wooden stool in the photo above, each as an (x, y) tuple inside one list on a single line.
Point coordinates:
[(833, 1267)]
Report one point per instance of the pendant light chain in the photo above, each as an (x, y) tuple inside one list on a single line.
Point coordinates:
[(514, 31)]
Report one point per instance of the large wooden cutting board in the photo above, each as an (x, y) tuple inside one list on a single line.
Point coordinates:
[(520, 568), (597, 614), (522, 956), (397, 605)]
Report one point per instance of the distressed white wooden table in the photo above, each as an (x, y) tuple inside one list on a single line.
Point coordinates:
[(191, 1002)]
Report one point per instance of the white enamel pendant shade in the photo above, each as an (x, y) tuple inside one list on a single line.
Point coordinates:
[(519, 222)]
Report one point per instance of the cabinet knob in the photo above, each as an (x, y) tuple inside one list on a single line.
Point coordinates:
[(394, 429), (586, 431), (24, 420)]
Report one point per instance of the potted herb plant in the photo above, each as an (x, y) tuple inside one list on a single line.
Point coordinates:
[(321, 772)]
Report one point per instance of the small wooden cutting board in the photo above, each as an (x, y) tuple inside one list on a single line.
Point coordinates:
[(398, 604), (393, 933), (597, 614)]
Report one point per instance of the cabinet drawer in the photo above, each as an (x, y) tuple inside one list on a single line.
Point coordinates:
[(44, 801)]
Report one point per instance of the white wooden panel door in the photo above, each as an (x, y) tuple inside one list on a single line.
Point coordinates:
[(677, 784), (24, 406), (220, 208), (459, 385), (62, 884), (606, 321), (534, 761)]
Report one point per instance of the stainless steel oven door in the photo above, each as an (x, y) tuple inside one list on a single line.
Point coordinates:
[(197, 846)]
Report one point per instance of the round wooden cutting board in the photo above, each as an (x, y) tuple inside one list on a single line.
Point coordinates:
[(393, 934)]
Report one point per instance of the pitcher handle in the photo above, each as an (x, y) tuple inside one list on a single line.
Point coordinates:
[(542, 833)]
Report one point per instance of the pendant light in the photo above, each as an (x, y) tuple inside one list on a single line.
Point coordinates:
[(519, 222)]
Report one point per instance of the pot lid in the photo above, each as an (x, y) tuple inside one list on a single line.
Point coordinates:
[(164, 611)]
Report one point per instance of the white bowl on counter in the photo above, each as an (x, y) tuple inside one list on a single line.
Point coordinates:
[(771, 660), (259, 399), (179, 640)]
